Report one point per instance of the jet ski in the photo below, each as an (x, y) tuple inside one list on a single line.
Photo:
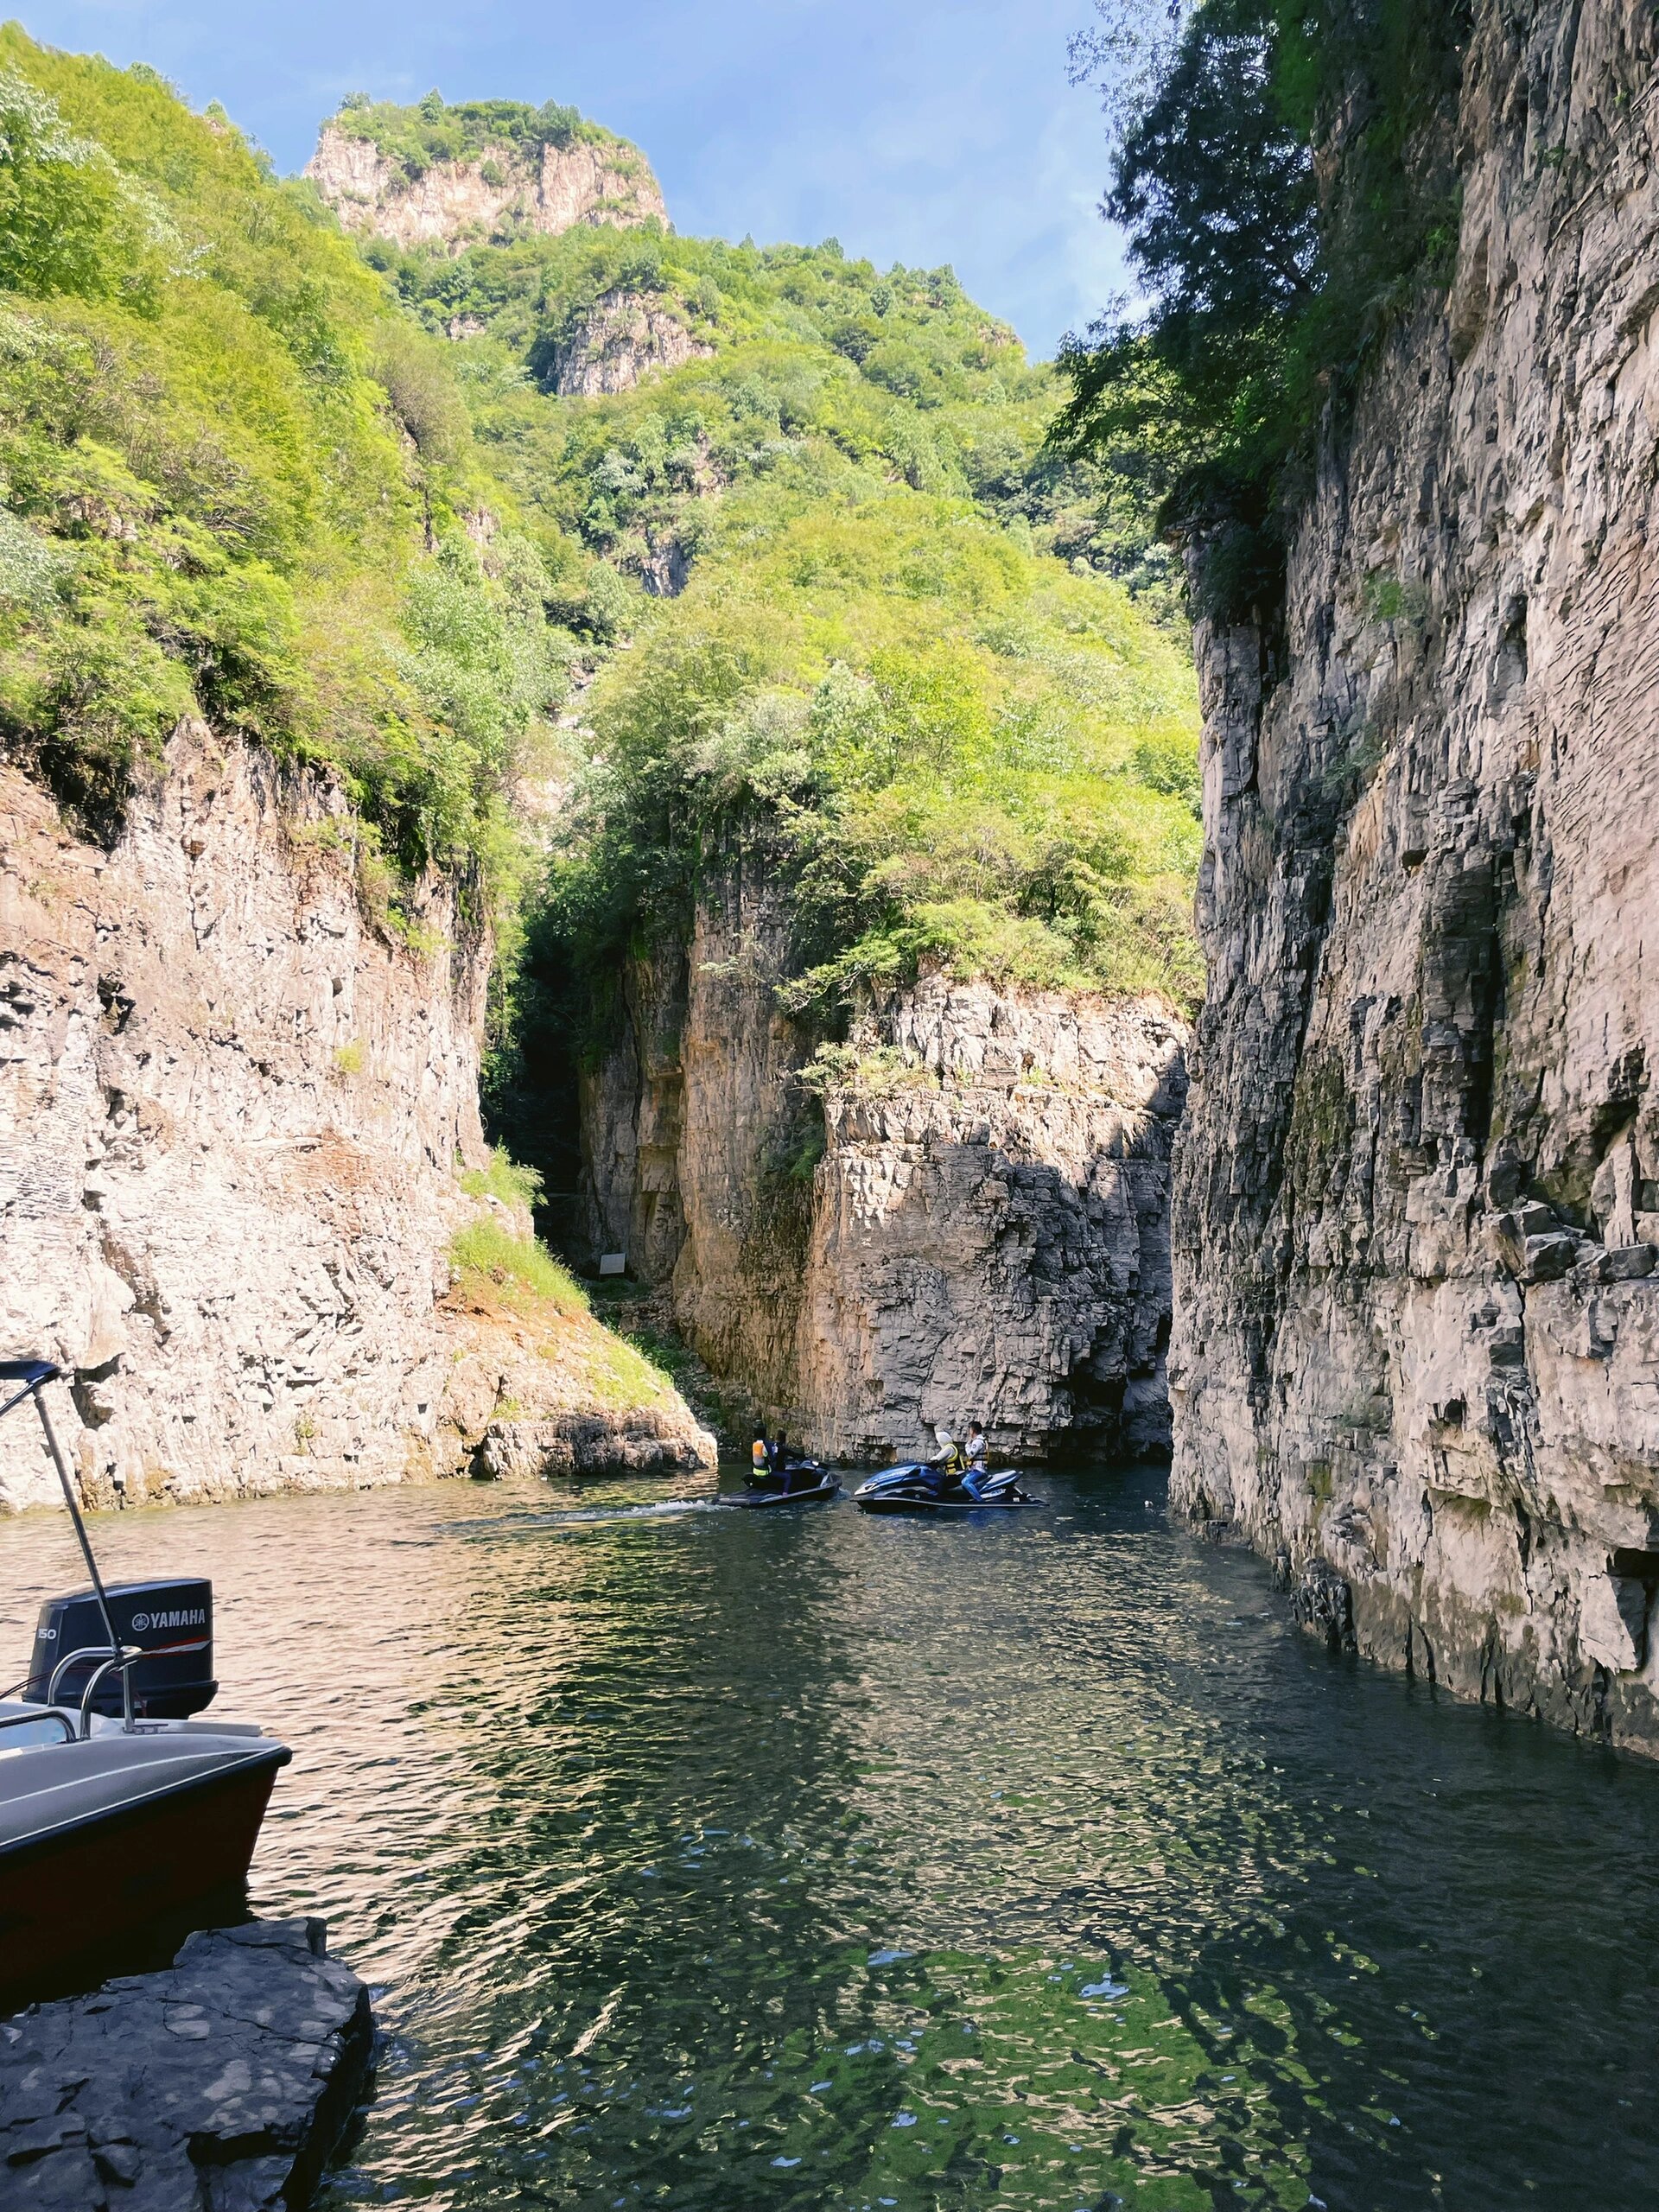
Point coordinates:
[(914, 1487), (801, 1493), (800, 1482)]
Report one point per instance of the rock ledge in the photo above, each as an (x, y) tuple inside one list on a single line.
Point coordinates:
[(221, 2085)]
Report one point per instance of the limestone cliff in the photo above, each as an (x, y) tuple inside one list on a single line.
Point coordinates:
[(962, 1212), (500, 192), (1417, 1206), (232, 1112), (622, 337)]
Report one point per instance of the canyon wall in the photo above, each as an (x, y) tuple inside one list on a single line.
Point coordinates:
[(587, 181), (1416, 1223), (231, 1116), (963, 1211)]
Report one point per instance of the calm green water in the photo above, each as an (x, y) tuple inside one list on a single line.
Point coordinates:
[(798, 1861)]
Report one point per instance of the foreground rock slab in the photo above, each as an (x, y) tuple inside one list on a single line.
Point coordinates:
[(221, 2085)]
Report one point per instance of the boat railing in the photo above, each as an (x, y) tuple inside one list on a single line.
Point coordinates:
[(113, 1661), (34, 1374), (34, 1720)]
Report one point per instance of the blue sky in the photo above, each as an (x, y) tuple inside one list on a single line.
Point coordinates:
[(917, 131)]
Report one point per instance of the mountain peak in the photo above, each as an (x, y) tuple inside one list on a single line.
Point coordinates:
[(436, 173)]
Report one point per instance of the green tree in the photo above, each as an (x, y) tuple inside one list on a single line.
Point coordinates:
[(69, 221), (1264, 296)]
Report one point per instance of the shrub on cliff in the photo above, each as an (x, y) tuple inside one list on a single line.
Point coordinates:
[(434, 130), (235, 481), (1265, 288)]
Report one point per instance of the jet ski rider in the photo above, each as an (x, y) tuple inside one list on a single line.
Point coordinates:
[(773, 1462), (959, 1469)]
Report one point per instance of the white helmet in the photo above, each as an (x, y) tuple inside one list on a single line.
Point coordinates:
[(944, 1436)]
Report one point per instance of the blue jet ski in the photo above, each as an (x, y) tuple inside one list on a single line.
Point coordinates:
[(915, 1487)]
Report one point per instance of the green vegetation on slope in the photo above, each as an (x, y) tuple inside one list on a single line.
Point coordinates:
[(895, 658), (246, 473), (235, 480), (499, 1275), (959, 753), (817, 360), (417, 138)]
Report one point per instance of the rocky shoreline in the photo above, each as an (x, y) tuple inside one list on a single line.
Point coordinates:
[(223, 2083)]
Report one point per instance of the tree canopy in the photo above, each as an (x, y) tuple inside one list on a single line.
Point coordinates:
[(1264, 293), (238, 480)]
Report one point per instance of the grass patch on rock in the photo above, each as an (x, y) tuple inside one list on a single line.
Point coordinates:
[(517, 1279)]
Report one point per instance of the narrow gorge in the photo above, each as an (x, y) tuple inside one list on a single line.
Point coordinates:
[(812, 727), (646, 878), (961, 1213), (925, 1179)]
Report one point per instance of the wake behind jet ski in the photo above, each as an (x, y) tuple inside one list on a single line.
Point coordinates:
[(951, 1485)]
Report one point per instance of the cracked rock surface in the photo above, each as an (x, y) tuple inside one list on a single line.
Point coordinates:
[(1417, 1219), (586, 183), (221, 2085), (969, 1217), (231, 1111)]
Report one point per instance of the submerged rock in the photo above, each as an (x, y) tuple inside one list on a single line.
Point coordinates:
[(223, 2083)]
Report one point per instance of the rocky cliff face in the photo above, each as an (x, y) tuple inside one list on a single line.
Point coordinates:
[(231, 1117), (967, 1214), (591, 182), (622, 337), (1417, 1207)]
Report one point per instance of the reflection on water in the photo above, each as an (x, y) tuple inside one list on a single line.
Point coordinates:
[(707, 1860)]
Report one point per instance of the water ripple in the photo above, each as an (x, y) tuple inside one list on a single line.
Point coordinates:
[(706, 1860)]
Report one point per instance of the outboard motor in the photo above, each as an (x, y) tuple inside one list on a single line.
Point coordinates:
[(172, 1623)]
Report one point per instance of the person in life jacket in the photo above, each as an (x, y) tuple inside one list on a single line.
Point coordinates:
[(759, 1463), (785, 1466), (951, 1464)]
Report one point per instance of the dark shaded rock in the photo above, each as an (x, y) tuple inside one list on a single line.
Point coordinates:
[(1324, 1604), (221, 2085), (1628, 1263)]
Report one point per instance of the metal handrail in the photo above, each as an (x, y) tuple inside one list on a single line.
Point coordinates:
[(117, 1661), (46, 1712), (34, 1374), (73, 1659)]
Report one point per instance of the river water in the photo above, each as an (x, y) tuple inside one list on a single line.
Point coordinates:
[(789, 1862)]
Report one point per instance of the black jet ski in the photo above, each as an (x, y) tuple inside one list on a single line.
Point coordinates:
[(801, 1482), (914, 1487)]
